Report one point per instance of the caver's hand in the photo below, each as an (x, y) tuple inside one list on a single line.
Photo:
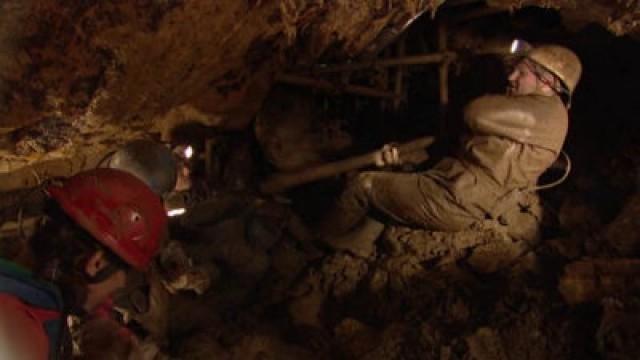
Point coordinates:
[(388, 156)]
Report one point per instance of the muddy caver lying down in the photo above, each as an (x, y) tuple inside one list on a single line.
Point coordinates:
[(513, 139)]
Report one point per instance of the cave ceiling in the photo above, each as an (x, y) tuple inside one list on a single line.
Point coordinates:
[(80, 77)]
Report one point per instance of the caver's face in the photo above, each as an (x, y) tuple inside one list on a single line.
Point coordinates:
[(99, 292), (523, 80)]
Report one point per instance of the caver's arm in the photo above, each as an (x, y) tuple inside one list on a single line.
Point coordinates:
[(535, 120)]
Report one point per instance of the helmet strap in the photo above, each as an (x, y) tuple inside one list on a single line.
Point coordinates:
[(557, 86), (568, 100)]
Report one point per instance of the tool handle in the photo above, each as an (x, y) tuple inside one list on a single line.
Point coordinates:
[(279, 182)]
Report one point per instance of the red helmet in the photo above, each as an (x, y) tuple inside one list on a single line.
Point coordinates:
[(118, 210)]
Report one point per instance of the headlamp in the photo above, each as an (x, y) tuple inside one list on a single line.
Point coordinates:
[(188, 152), (520, 47)]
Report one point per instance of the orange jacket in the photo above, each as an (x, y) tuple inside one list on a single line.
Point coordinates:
[(22, 334), (31, 321)]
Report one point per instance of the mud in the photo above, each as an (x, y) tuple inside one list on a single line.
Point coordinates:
[(243, 276), (419, 294)]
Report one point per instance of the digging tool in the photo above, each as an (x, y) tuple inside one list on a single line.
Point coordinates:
[(280, 182)]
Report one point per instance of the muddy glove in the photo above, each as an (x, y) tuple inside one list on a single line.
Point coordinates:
[(388, 156)]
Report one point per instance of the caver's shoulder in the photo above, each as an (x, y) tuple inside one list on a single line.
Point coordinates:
[(21, 335), (531, 104)]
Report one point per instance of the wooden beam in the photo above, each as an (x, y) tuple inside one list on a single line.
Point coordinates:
[(423, 59), (330, 87), (443, 78), (400, 72), (444, 66)]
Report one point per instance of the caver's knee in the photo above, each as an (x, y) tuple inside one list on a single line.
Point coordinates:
[(363, 182)]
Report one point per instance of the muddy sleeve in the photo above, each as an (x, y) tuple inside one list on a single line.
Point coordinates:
[(503, 116)]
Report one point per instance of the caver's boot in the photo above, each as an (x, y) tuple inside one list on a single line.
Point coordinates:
[(360, 241)]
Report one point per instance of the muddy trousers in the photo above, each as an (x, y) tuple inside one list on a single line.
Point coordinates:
[(408, 199)]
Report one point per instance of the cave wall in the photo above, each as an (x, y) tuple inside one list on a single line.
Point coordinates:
[(131, 61), (82, 77)]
